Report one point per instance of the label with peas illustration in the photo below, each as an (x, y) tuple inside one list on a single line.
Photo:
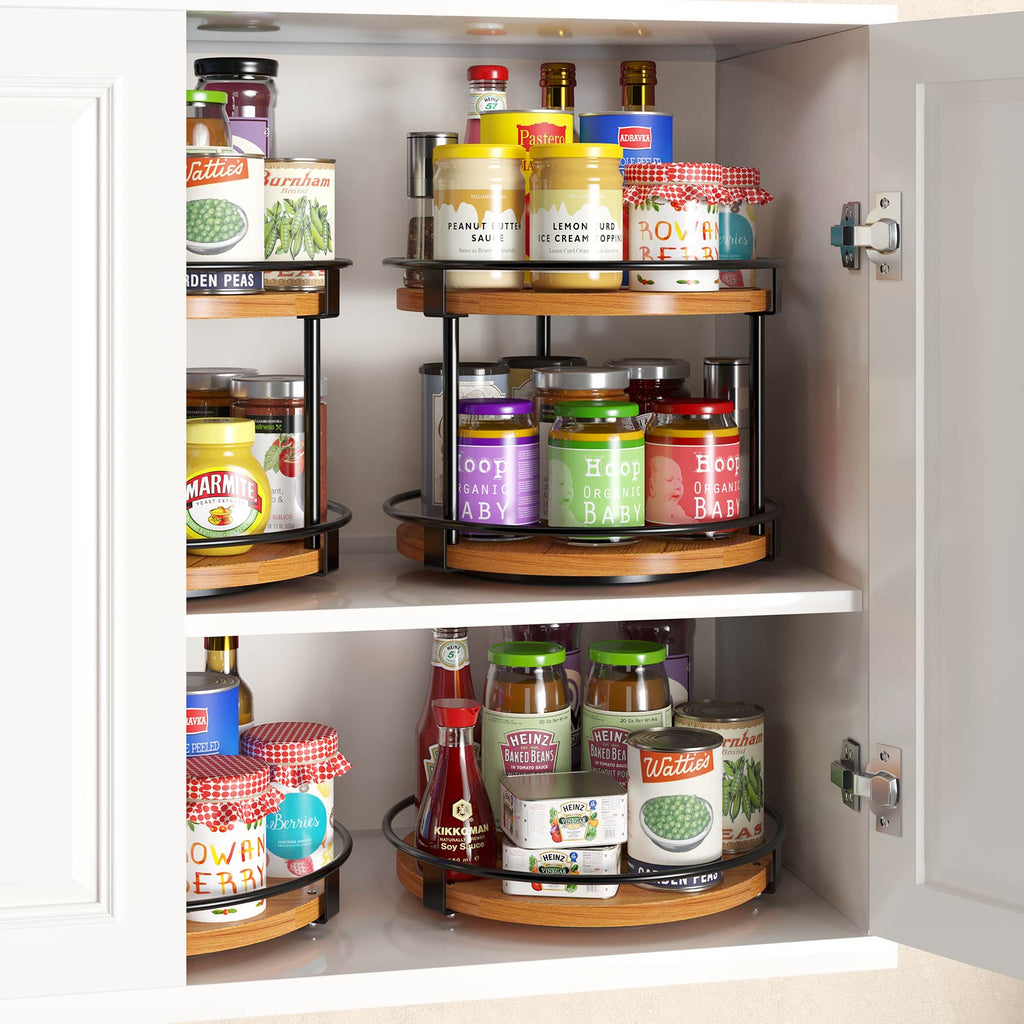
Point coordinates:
[(675, 800), (223, 207)]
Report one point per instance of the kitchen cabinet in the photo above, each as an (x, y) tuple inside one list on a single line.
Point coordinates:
[(889, 618)]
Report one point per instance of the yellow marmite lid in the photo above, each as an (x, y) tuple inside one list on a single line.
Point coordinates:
[(225, 430), (478, 151), (586, 150)]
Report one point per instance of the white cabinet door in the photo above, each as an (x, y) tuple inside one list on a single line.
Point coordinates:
[(91, 891), (946, 487)]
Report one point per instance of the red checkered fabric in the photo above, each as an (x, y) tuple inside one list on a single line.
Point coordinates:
[(299, 752), (224, 788), (676, 183), (744, 184)]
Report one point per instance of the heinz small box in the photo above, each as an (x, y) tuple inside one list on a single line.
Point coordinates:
[(593, 860), (568, 809)]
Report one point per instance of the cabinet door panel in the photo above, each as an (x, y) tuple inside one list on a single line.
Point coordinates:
[(945, 573), (90, 874)]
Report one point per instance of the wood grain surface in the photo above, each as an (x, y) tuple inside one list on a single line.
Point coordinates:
[(262, 304), (549, 556), (262, 563), (616, 303)]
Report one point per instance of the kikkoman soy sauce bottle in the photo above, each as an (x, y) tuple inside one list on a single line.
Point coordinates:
[(527, 718), (455, 819)]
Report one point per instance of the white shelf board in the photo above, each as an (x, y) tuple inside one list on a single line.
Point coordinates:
[(377, 591)]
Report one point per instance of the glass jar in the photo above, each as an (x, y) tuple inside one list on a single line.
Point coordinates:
[(251, 88), (479, 205), (208, 389), (527, 727), (693, 462), (206, 119), (576, 213), (276, 404), (556, 384), (627, 689), (520, 371), (677, 637), (596, 465), (226, 490), (419, 155), (488, 84), (653, 379), (497, 462)]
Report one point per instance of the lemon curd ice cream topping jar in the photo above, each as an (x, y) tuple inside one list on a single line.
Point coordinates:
[(226, 490), (576, 213)]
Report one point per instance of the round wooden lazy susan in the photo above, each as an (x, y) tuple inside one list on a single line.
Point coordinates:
[(631, 905)]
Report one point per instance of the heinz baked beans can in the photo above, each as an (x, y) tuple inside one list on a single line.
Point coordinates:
[(674, 801), (741, 726)]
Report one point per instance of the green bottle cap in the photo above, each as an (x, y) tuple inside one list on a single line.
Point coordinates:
[(587, 410), (627, 652), (526, 654), (205, 96)]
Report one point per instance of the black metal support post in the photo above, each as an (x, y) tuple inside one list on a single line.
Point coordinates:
[(757, 416), (543, 335), (311, 391), (433, 889)]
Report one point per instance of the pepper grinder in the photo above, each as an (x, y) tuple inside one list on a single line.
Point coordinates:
[(420, 191)]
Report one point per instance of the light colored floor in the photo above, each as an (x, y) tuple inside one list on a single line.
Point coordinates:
[(924, 989)]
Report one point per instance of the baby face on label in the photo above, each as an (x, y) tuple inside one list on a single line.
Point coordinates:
[(665, 482)]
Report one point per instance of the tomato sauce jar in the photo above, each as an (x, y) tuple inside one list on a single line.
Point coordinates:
[(693, 462), (208, 389), (305, 761), (226, 489), (276, 404), (227, 800), (653, 379)]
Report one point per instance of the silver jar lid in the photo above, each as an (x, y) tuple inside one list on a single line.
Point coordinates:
[(468, 369), (272, 385), (674, 738), (215, 378), (582, 378), (652, 368)]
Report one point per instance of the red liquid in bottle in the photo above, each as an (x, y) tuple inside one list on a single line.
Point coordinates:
[(449, 678), (455, 820)]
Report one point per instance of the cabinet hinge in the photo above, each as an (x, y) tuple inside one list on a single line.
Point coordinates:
[(879, 236), (879, 783)]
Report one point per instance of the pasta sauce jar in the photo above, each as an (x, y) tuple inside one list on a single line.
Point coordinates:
[(627, 689), (251, 89), (497, 462), (693, 462), (276, 405), (226, 489), (653, 379), (227, 799), (596, 465), (208, 389), (576, 213), (527, 727)]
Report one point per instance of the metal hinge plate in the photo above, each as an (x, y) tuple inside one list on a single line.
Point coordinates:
[(879, 783), (880, 236)]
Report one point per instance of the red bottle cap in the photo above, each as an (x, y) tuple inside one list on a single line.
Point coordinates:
[(487, 72), (694, 406), (455, 712)]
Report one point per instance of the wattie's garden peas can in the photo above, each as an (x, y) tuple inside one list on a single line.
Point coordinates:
[(305, 761), (741, 726), (674, 797), (223, 206)]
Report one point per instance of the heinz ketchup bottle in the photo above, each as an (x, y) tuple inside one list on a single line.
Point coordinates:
[(449, 677), (455, 819)]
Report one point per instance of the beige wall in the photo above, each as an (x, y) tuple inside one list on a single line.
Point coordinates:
[(924, 989)]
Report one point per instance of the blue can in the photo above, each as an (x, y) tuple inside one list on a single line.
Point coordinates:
[(644, 135), (211, 714)]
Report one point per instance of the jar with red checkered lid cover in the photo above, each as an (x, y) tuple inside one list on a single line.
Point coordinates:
[(672, 211), (227, 799), (737, 230), (305, 762)]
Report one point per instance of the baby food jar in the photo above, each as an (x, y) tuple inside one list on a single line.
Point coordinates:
[(226, 490), (527, 727), (208, 389), (520, 371), (497, 462), (556, 384), (596, 465), (627, 689), (693, 462), (576, 213), (653, 379), (479, 203), (206, 119), (227, 799)]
